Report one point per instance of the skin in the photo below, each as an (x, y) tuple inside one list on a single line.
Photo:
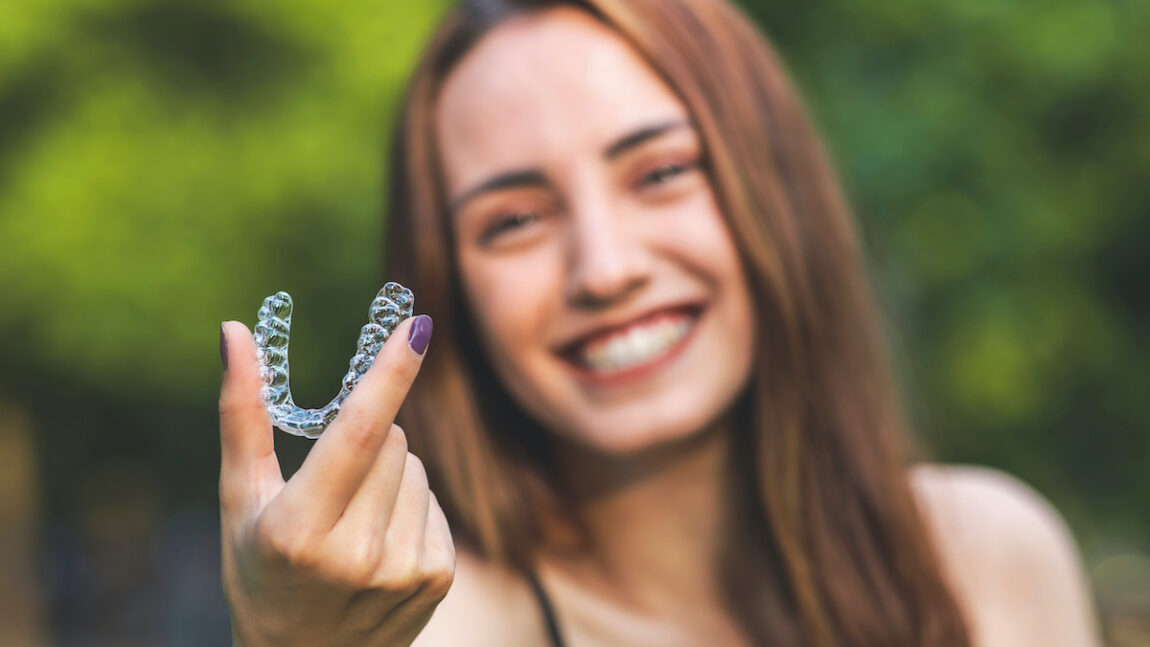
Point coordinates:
[(590, 234)]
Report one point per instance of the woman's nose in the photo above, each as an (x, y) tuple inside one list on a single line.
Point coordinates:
[(607, 262)]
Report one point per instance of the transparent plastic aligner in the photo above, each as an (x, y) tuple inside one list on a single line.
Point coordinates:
[(392, 305)]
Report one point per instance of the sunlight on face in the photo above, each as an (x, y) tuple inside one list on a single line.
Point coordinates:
[(600, 273)]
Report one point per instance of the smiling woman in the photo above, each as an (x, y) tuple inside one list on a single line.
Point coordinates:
[(658, 409)]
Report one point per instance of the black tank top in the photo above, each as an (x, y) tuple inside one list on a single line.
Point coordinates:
[(548, 612)]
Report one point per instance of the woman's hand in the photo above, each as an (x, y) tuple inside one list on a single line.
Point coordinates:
[(353, 549)]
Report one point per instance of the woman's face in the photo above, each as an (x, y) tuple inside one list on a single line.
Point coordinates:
[(601, 276)]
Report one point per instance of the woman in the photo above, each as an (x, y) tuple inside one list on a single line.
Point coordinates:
[(658, 410)]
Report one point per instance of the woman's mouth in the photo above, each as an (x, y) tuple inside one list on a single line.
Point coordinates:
[(634, 348)]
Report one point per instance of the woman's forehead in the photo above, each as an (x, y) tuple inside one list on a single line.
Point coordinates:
[(543, 87)]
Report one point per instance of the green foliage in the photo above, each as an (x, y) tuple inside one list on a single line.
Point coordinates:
[(166, 165)]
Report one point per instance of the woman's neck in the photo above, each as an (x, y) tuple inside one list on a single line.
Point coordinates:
[(654, 521)]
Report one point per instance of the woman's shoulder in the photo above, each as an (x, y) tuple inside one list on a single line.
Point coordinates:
[(487, 604), (999, 505), (1009, 556)]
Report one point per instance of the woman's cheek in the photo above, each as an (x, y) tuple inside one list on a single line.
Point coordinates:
[(517, 291), (695, 229)]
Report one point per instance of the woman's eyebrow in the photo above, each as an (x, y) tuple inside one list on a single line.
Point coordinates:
[(508, 180), (636, 137), (536, 178)]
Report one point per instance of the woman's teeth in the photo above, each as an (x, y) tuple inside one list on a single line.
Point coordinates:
[(637, 345)]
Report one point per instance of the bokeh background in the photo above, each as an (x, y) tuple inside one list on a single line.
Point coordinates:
[(166, 165)]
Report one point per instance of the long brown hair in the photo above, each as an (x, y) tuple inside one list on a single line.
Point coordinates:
[(825, 544)]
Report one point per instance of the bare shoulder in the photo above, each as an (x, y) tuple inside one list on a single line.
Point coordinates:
[(989, 507), (486, 605), (1009, 555)]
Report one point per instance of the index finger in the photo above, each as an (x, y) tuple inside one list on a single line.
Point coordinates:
[(343, 455)]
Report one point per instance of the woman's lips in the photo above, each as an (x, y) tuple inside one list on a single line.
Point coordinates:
[(634, 349)]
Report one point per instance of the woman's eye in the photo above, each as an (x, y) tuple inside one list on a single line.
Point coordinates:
[(517, 220), (664, 173)]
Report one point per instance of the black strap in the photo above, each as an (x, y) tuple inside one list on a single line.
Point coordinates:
[(548, 611)]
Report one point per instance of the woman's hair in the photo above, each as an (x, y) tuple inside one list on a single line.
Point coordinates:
[(824, 543)]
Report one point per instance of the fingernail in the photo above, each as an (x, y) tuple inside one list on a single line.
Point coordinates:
[(420, 334), (223, 348)]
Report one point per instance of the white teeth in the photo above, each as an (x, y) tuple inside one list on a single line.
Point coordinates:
[(638, 345)]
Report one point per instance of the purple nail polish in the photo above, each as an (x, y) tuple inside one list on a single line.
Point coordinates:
[(420, 334), (223, 348)]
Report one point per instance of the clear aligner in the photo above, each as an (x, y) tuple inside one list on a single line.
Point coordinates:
[(392, 305)]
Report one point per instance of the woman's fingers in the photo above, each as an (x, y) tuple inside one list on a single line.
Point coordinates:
[(407, 526), (336, 467), (380, 538), (439, 547), (248, 462), (371, 506)]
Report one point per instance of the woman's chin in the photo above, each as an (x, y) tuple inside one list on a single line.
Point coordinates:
[(635, 431)]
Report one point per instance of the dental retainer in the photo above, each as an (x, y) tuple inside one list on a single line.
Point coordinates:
[(392, 305)]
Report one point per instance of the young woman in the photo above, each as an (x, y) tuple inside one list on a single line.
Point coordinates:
[(657, 410)]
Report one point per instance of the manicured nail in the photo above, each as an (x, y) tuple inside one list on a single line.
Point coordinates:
[(223, 348), (420, 334)]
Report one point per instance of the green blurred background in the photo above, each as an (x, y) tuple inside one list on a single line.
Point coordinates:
[(164, 166)]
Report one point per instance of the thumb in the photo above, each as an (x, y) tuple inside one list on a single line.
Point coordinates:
[(247, 447)]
